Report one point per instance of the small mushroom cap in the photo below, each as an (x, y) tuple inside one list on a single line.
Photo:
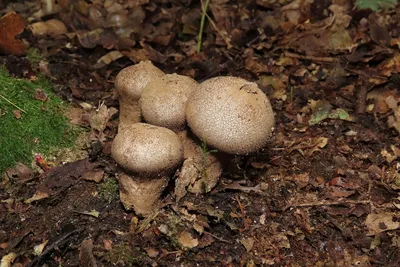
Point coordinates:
[(147, 149), (131, 81), (230, 114), (163, 100)]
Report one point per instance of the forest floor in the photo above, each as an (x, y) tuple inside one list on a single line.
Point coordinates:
[(324, 192)]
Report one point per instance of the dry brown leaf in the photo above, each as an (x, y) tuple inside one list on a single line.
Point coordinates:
[(40, 95), (93, 175), (52, 27), (107, 59), (381, 222), (187, 241), (86, 257), (247, 243), (99, 119), (11, 25), (17, 113)]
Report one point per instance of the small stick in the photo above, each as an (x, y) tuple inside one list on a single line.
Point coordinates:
[(11, 103), (322, 203), (320, 59)]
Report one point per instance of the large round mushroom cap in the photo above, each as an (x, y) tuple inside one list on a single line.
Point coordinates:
[(131, 80), (147, 149), (230, 114), (163, 100)]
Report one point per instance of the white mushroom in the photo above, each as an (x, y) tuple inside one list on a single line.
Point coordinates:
[(148, 154), (230, 114), (163, 100), (130, 83)]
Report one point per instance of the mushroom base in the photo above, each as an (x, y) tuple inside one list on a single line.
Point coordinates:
[(141, 194), (201, 169)]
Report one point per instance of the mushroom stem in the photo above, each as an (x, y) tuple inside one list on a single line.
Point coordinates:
[(201, 169), (142, 194), (129, 111)]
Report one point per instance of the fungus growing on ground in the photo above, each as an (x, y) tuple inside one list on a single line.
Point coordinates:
[(147, 155), (163, 100), (230, 114), (130, 83)]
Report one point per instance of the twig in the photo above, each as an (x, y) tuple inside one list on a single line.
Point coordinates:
[(203, 18), (226, 40), (323, 203), (320, 59), (216, 237), (11, 103)]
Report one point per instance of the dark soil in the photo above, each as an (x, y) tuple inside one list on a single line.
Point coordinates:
[(320, 194)]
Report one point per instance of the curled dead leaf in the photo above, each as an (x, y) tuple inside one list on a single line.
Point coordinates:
[(11, 25)]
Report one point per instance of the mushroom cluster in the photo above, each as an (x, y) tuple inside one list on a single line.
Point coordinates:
[(181, 119)]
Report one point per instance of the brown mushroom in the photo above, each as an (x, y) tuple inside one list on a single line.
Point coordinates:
[(163, 100), (231, 115), (147, 155), (129, 84)]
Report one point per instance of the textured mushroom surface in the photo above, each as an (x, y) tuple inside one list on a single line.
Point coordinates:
[(130, 83), (147, 149), (163, 100), (142, 194), (230, 114)]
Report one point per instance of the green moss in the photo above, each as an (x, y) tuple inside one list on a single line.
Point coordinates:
[(108, 190), (123, 254), (34, 56), (42, 127)]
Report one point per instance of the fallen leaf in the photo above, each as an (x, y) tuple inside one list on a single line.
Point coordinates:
[(17, 113), (52, 27), (38, 249), (40, 95), (99, 119), (247, 243), (86, 257), (92, 213), (187, 241), (8, 259), (93, 175), (152, 252), (11, 25), (107, 244), (381, 222), (37, 196), (107, 59)]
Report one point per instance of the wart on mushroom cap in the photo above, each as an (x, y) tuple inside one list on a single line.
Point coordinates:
[(163, 100), (130, 83), (230, 114)]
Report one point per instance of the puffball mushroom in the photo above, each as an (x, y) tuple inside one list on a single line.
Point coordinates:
[(230, 114), (163, 100), (130, 83), (147, 153)]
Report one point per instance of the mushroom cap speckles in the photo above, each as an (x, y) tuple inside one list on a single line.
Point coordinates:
[(163, 100), (230, 114), (131, 80), (147, 149)]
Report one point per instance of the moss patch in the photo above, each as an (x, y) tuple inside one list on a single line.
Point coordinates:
[(31, 120)]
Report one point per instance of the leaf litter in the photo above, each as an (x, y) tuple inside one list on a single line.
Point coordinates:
[(330, 69)]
